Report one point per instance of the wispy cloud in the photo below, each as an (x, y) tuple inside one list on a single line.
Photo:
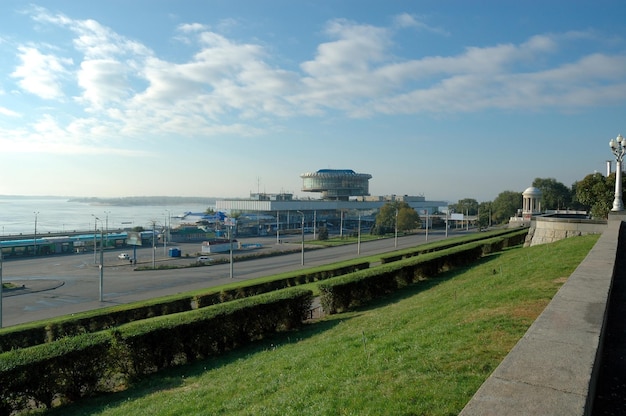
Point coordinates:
[(125, 90), (41, 74)]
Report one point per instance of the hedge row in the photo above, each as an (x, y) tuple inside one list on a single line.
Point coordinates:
[(282, 282), (28, 335), (83, 365), (356, 289), (445, 244)]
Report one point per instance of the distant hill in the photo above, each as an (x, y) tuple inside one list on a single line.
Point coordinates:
[(147, 200)]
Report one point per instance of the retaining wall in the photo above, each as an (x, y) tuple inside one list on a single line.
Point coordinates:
[(553, 369), (548, 229)]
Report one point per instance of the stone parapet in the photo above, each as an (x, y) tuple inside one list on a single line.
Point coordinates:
[(553, 369), (550, 229)]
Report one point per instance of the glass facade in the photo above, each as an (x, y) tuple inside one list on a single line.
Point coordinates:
[(336, 184)]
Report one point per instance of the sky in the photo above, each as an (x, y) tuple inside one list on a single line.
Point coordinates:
[(221, 98)]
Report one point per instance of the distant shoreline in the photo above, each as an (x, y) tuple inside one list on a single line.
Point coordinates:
[(146, 200)]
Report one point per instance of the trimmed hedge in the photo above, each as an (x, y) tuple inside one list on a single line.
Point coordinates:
[(290, 280), (514, 233), (28, 335), (83, 365), (356, 289)]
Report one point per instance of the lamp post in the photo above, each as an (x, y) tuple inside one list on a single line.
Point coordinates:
[(358, 242), (95, 244), (153, 245), (277, 227), (302, 241), (106, 238), (231, 223), (101, 265), (395, 240), (618, 147), (166, 237), (35, 239)]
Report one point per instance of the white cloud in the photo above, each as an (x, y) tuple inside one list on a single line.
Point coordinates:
[(9, 113), (103, 82), (405, 20), (41, 74), (192, 27), (227, 87)]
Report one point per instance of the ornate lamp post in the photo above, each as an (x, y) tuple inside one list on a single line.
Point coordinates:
[(618, 147)]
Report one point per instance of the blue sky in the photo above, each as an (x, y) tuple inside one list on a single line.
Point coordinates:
[(446, 99)]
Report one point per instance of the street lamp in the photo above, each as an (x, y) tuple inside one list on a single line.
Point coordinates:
[(230, 223), (358, 241), (277, 227), (106, 241), (618, 147), (395, 241), (101, 265), (166, 230), (35, 239), (95, 244), (302, 243)]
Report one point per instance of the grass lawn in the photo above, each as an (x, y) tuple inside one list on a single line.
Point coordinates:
[(423, 351)]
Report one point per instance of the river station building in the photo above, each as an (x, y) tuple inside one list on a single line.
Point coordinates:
[(345, 201)]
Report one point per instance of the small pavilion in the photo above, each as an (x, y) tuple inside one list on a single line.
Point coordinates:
[(531, 202)]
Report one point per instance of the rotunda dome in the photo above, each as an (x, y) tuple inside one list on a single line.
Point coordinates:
[(532, 192)]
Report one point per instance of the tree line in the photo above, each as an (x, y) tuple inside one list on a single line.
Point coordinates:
[(593, 194)]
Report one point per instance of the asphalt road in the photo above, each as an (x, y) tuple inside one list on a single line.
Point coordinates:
[(62, 285)]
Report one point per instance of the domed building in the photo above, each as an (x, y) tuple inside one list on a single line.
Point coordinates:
[(531, 202), (336, 184)]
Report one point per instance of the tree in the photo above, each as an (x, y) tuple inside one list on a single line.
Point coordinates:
[(554, 195), (505, 205), (467, 206), (322, 234), (484, 214), (596, 192), (407, 217)]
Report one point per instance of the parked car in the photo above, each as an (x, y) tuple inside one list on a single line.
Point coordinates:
[(203, 259), (123, 256)]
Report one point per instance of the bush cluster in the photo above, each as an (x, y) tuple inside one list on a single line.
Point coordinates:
[(72, 357), (24, 336), (514, 237), (358, 288), (82, 365)]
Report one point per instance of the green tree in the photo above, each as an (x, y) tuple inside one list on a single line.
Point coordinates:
[(322, 234), (554, 195), (467, 206), (505, 206), (407, 217), (484, 214), (596, 193)]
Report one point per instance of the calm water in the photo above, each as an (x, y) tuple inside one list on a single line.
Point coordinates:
[(54, 214)]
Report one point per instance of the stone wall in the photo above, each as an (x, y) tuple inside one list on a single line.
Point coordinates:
[(547, 229), (553, 369)]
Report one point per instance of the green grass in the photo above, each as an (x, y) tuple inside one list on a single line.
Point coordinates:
[(424, 351)]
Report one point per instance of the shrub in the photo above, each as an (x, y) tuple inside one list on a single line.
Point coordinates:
[(79, 366)]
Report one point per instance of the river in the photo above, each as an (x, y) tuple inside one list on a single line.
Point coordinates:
[(42, 215)]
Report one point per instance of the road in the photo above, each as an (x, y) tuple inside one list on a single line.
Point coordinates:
[(63, 285)]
